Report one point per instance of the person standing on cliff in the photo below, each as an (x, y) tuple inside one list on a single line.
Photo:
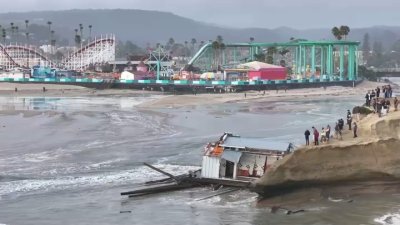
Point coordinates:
[(316, 136), (387, 103), (368, 99), (373, 94), (307, 136), (374, 105), (378, 91), (349, 118), (341, 124), (328, 133), (338, 131), (355, 129), (396, 103)]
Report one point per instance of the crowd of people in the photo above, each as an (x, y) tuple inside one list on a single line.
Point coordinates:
[(381, 104), (325, 135), (378, 99)]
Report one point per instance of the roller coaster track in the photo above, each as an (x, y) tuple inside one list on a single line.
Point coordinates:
[(98, 51), (21, 53), (6, 59)]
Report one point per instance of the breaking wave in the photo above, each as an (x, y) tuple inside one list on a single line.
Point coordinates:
[(391, 218), (133, 176)]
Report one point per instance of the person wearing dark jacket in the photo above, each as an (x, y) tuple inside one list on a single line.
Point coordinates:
[(368, 99), (341, 124), (316, 136), (355, 129), (349, 118), (307, 136)]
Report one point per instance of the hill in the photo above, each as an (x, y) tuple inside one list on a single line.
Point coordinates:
[(143, 27)]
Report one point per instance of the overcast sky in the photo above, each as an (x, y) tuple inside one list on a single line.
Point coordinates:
[(245, 13)]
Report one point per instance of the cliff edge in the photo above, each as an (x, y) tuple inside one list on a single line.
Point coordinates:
[(373, 156)]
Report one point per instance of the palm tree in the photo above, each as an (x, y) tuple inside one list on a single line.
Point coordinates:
[(283, 52), (12, 30), (26, 24), (81, 29), (90, 32), (260, 57), (4, 35), (336, 33), (17, 33), (222, 48), (193, 42), (49, 24), (218, 45), (52, 38), (27, 38), (251, 39), (170, 43), (270, 54), (220, 39), (78, 40), (26, 30), (215, 46), (186, 48), (344, 30), (201, 44), (76, 32)]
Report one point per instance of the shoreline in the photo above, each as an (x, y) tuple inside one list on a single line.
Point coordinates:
[(176, 101)]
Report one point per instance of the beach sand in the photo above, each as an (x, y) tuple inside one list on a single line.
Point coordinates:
[(176, 101), (60, 90)]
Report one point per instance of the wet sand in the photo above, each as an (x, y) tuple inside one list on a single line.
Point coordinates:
[(59, 90), (176, 101)]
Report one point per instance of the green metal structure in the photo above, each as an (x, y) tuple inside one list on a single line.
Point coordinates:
[(159, 62), (306, 59)]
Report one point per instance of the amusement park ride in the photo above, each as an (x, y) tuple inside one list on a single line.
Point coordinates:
[(99, 50), (304, 59)]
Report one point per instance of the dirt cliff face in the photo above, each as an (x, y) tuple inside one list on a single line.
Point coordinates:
[(374, 156)]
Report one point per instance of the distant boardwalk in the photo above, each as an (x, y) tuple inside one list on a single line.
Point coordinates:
[(187, 85)]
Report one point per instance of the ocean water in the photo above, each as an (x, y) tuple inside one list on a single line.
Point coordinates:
[(66, 160)]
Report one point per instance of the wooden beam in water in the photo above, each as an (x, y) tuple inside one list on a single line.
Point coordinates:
[(220, 193), (158, 189), (160, 171), (231, 183), (159, 181)]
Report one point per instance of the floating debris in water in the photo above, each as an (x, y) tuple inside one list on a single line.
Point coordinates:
[(126, 211)]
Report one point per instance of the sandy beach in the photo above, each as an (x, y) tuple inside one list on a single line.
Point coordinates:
[(59, 90), (173, 101), (176, 101)]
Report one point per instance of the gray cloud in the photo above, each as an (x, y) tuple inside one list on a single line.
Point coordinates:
[(245, 13)]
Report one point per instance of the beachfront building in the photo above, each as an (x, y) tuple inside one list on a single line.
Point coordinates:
[(303, 59), (238, 158)]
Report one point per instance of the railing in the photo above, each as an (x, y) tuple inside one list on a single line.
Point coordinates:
[(386, 70), (166, 82)]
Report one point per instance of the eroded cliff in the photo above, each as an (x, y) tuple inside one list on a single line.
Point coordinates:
[(374, 156)]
